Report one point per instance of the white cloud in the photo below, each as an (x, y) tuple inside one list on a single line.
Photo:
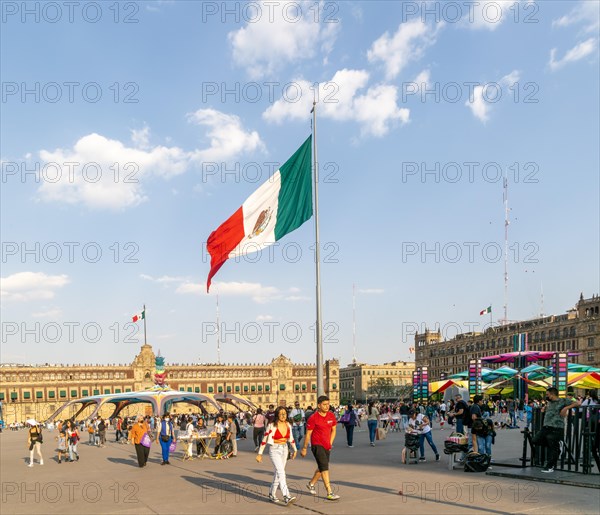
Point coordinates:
[(372, 291), (284, 32), (423, 79), (228, 138), (257, 292), (297, 298), (163, 279), (407, 44), (141, 137), (490, 14), (50, 313), (376, 110), (576, 53), (24, 286), (103, 173), (586, 13), (107, 174), (480, 107)]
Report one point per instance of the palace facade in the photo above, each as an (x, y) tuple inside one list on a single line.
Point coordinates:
[(37, 391), (358, 380), (576, 331)]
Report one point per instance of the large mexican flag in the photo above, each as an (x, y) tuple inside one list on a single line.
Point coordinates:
[(280, 205)]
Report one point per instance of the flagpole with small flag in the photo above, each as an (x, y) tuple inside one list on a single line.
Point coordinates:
[(145, 342), (487, 310), (141, 316)]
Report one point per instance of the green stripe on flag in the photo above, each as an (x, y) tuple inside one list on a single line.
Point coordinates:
[(295, 196)]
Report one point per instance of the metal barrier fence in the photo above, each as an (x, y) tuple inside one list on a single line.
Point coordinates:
[(579, 445)]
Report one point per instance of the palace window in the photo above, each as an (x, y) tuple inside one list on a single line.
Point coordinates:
[(229, 389), (73, 393), (591, 341), (220, 389), (39, 395), (211, 389), (197, 389), (267, 388), (106, 390), (51, 395), (590, 356), (26, 395), (237, 388), (62, 394), (13, 395)]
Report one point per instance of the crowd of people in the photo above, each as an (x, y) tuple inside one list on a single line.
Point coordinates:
[(292, 430)]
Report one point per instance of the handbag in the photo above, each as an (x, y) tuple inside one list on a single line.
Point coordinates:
[(146, 441), (173, 446), (290, 451), (165, 438), (345, 418)]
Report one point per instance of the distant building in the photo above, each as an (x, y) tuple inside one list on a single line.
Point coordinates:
[(36, 391), (576, 331), (357, 380)]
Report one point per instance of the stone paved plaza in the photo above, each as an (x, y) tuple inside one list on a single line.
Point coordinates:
[(108, 480)]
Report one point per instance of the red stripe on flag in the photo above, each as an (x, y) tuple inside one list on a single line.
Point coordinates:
[(222, 241)]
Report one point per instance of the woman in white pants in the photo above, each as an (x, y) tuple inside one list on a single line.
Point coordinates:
[(277, 435)]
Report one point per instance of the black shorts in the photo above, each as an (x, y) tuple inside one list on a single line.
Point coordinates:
[(322, 456)]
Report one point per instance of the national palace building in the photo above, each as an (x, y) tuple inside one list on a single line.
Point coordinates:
[(36, 391), (576, 331)]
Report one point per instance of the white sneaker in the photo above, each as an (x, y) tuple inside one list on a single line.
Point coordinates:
[(30, 464), (41, 462)]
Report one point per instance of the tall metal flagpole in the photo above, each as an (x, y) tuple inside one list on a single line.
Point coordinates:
[(319, 335), (506, 224), (145, 343)]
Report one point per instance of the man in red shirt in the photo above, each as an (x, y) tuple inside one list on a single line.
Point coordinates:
[(320, 432)]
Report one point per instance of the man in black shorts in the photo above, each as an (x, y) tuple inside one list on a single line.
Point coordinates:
[(321, 428)]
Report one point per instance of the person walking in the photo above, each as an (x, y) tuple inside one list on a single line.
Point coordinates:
[(258, 423), (372, 422), (278, 435), (298, 420), (138, 430), (350, 420), (321, 429), (72, 439), (35, 440), (165, 435), (553, 428)]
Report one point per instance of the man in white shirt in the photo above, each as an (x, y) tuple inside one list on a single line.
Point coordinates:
[(298, 420)]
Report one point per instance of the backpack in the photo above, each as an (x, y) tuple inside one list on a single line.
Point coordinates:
[(480, 427), (101, 426)]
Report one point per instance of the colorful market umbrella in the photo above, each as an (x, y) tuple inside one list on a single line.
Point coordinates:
[(529, 355)]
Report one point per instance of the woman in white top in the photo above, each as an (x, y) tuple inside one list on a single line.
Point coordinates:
[(278, 435)]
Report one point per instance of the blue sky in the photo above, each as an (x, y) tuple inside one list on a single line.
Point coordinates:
[(150, 124)]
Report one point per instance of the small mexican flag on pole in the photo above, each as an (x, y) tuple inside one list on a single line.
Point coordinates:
[(486, 310), (139, 316)]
